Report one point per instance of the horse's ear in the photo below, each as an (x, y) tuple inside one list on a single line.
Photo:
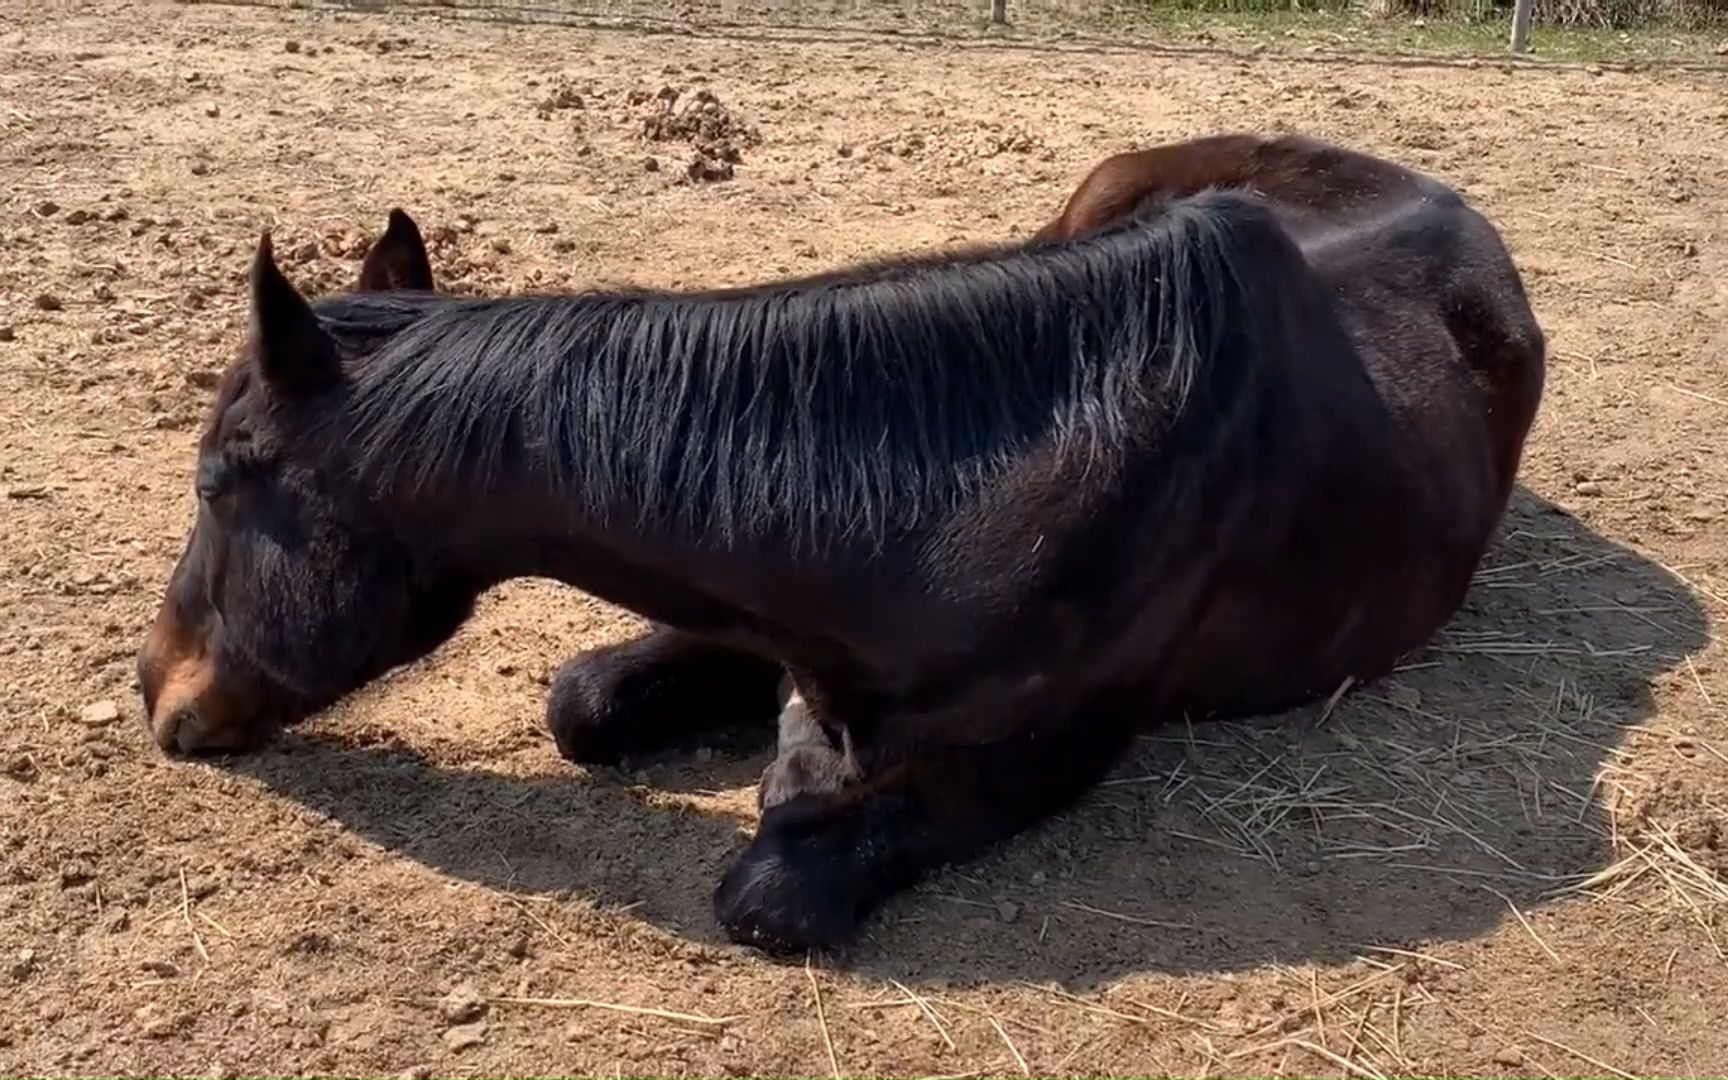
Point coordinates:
[(294, 353), (398, 260)]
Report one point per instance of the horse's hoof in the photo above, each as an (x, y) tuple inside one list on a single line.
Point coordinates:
[(781, 899)]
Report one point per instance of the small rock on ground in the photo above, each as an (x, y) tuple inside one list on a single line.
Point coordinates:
[(465, 1036), (99, 713)]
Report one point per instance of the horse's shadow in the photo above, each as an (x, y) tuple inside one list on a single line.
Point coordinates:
[(1416, 809)]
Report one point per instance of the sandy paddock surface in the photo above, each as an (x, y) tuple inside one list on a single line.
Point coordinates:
[(1507, 858)]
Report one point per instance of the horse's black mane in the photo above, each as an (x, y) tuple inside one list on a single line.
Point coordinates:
[(845, 404)]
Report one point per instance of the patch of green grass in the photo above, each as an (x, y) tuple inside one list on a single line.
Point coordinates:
[(1279, 25)]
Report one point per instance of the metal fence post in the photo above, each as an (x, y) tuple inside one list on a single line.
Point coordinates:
[(1521, 25)]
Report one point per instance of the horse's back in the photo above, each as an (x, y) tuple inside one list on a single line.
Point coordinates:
[(1395, 246), (1303, 177)]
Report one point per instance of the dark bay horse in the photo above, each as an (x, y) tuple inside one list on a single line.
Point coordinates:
[(989, 510), (1425, 290)]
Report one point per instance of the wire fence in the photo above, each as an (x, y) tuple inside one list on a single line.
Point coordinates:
[(1137, 23), (1044, 16)]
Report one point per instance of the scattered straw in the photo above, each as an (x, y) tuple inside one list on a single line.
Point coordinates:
[(1332, 702), (1696, 887), (1317, 1050), (1319, 1004), (1012, 1049), (186, 917), (1580, 1055), (610, 1006), (1705, 694), (538, 921), (1170, 1014), (1398, 1023), (1136, 920), (1414, 955), (925, 1008), (1115, 1014), (1696, 394), (821, 1016), (1525, 923)]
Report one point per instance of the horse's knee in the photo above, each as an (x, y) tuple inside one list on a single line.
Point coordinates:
[(584, 714), (654, 692)]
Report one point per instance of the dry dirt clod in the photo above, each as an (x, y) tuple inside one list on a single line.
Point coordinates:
[(154, 1022), (462, 1005), (212, 111), (707, 170), (99, 713), (1008, 911), (1588, 487), (1509, 1056)]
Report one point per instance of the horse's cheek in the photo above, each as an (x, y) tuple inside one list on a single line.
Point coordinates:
[(285, 613)]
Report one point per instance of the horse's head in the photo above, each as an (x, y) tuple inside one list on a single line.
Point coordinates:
[(287, 596)]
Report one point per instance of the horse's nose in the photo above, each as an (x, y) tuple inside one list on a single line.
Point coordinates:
[(177, 676), (176, 733)]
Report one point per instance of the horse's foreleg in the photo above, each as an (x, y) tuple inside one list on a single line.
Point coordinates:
[(654, 691), (827, 852), (812, 757)]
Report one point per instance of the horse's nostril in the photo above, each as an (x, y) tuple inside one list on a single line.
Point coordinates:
[(174, 732)]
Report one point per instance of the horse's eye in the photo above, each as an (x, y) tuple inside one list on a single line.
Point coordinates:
[(215, 478)]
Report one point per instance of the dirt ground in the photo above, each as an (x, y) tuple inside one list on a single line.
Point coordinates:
[(1509, 858)]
